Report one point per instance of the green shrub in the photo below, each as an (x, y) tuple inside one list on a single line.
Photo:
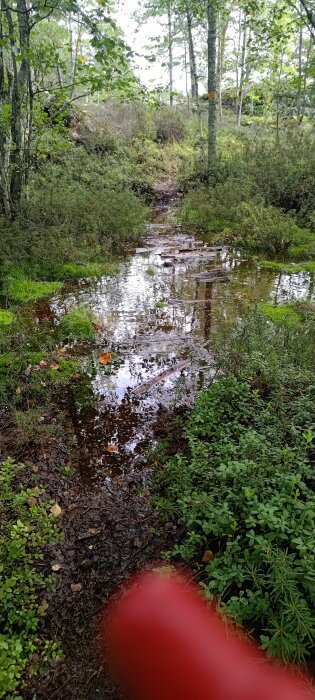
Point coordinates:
[(264, 228), (78, 324), (243, 487), (170, 125), (27, 529), (25, 291)]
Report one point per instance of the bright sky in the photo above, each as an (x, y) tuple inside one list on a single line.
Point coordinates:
[(151, 74)]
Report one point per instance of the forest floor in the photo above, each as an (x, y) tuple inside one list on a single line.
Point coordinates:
[(111, 532)]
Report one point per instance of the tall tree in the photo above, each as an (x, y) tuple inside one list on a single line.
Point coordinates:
[(212, 82)]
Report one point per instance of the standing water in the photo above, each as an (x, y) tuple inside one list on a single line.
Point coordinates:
[(157, 313)]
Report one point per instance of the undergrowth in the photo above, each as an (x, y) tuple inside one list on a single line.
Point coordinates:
[(243, 491), (28, 529), (261, 195)]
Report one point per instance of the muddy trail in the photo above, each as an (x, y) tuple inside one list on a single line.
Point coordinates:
[(155, 316)]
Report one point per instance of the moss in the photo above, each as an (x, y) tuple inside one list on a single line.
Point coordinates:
[(24, 291), (289, 268), (286, 314), (78, 324), (77, 270), (66, 370), (160, 305), (6, 317)]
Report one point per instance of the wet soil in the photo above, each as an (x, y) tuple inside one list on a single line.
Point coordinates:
[(155, 316)]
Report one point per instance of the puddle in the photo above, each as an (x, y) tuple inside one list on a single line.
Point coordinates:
[(158, 311)]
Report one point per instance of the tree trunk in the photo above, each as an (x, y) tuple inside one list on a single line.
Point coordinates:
[(212, 85), (221, 55), (242, 77), (238, 52), (195, 91), (299, 95), (170, 53), (186, 78)]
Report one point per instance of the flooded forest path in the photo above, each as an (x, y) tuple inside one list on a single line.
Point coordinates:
[(157, 314)]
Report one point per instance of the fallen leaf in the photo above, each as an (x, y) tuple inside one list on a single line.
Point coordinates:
[(77, 375), (43, 607), (92, 532), (76, 587), (56, 567), (18, 391), (208, 556), (54, 366), (72, 506), (32, 501), (28, 370), (166, 571), (43, 363), (112, 448), (105, 358), (56, 510), (35, 469)]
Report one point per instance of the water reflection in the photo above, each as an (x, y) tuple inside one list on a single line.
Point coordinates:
[(155, 314)]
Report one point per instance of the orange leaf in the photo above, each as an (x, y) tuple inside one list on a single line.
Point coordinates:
[(112, 448), (105, 358), (208, 556)]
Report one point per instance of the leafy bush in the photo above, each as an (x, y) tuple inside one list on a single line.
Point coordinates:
[(78, 324), (27, 529), (170, 125), (242, 492), (264, 228)]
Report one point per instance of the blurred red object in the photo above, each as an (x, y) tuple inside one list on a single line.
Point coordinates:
[(167, 644)]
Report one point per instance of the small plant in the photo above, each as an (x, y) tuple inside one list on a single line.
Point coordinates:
[(78, 324), (28, 528), (150, 271), (160, 305)]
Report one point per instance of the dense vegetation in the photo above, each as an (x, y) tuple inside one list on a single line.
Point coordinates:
[(84, 148), (243, 488)]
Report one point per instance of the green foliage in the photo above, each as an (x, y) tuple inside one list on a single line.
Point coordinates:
[(6, 317), (281, 314), (288, 268), (243, 487), (170, 125), (77, 270), (25, 291), (264, 228), (27, 530), (259, 195), (78, 324)]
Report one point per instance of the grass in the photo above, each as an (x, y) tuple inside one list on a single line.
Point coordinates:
[(6, 317), (289, 268), (78, 325), (281, 314), (77, 270), (25, 291)]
